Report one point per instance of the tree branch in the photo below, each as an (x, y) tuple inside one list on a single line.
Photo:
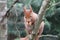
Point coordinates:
[(55, 4), (40, 14), (11, 7), (7, 13)]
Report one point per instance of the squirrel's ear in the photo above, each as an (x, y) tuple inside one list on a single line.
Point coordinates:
[(24, 9), (30, 9)]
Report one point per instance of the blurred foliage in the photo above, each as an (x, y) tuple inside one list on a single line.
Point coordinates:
[(47, 27), (51, 18), (36, 4)]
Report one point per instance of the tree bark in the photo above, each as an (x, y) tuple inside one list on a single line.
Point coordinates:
[(40, 14), (3, 23), (3, 30)]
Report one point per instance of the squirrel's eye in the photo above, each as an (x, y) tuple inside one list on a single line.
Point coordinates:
[(30, 16), (25, 17)]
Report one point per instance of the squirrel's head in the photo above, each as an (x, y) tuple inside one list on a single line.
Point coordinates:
[(27, 12)]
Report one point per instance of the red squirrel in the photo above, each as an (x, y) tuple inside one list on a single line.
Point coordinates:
[(30, 18)]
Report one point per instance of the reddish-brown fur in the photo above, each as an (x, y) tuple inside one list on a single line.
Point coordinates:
[(30, 18)]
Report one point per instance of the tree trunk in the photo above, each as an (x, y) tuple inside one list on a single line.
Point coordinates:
[(3, 23), (3, 30)]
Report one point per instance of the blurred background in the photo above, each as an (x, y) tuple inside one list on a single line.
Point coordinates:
[(15, 21)]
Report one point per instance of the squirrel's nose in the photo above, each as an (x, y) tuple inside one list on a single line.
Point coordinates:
[(28, 21)]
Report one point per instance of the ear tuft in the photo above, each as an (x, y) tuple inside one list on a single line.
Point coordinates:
[(30, 9), (24, 9)]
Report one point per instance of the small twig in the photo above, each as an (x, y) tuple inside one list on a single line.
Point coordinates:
[(6, 15), (16, 22), (53, 5), (49, 36)]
